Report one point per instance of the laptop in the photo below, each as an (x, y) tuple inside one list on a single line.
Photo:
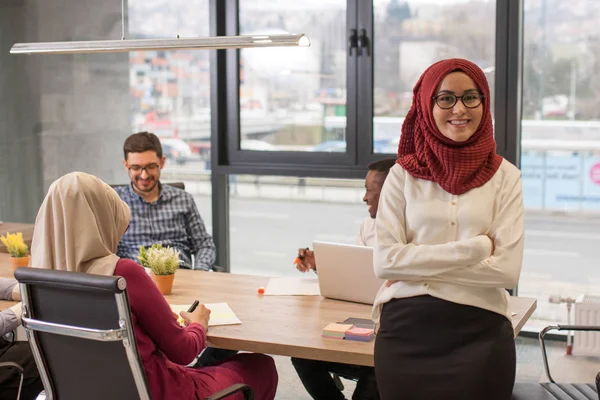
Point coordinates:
[(346, 272)]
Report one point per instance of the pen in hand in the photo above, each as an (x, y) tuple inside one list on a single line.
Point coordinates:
[(193, 306), (194, 314), (300, 257)]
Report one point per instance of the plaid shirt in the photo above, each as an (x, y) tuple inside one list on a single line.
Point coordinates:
[(173, 220)]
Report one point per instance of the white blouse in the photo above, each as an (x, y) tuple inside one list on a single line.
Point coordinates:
[(439, 244)]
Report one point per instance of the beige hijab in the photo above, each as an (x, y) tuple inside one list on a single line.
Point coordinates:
[(79, 225)]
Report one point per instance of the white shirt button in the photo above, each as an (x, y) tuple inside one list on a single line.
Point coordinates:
[(453, 203), (452, 223)]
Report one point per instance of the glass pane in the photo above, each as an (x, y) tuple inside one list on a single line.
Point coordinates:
[(409, 37), (170, 92), (272, 217), (294, 99), (560, 156), (73, 112), (67, 112)]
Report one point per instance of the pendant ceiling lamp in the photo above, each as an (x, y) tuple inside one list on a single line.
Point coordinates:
[(126, 45)]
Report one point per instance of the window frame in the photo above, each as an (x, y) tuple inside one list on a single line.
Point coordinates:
[(227, 158)]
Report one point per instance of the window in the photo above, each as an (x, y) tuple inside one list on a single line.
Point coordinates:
[(170, 93), (560, 153), (273, 216), (294, 99)]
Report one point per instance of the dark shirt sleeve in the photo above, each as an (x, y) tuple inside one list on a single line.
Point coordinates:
[(154, 316)]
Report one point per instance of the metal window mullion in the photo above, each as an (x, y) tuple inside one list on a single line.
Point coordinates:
[(223, 19), (508, 82), (365, 82), (508, 78), (353, 128)]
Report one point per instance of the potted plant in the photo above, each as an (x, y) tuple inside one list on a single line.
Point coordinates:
[(163, 262), (18, 250)]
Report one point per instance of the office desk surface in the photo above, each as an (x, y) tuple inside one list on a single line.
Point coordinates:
[(283, 325), (14, 227)]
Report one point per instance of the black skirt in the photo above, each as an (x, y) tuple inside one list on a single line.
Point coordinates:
[(431, 349)]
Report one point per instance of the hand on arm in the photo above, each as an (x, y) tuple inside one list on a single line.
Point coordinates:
[(396, 259), (390, 282), (503, 267)]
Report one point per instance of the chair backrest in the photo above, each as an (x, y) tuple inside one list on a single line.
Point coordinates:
[(81, 335), (178, 185)]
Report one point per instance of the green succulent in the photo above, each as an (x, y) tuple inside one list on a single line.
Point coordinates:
[(161, 260)]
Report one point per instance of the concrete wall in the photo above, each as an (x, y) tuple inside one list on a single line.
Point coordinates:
[(20, 161), (59, 113)]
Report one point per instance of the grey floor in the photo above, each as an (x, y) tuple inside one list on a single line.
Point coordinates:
[(529, 369)]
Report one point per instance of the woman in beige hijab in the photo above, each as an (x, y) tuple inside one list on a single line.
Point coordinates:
[(78, 228)]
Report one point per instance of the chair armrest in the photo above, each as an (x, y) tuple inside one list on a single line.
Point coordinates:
[(549, 328), (238, 387), (10, 364)]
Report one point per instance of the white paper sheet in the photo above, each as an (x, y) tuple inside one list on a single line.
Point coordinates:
[(293, 287), (220, 313)]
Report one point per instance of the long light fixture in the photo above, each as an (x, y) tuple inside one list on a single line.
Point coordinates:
[(125, 45)]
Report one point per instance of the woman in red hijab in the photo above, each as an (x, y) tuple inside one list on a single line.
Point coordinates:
[(449, 241)]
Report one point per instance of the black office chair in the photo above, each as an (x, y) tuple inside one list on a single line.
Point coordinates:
[(81, 335), (553, 390)]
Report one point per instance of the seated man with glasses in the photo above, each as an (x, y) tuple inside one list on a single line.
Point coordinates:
[(160, 213), (163, 214)]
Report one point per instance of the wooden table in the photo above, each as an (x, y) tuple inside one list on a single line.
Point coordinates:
[(282, 325), (14, 227)]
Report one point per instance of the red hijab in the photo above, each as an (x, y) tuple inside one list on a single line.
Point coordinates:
[(427, 154)]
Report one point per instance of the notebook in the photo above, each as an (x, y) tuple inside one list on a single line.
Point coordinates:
[(220, 313)]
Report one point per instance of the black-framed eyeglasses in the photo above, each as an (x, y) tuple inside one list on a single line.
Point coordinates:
[(150, 168), (446, 101)]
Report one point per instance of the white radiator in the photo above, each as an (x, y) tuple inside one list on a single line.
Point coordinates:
[(587, 312)]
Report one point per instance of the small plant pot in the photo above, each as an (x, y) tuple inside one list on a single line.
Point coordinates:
[(163, 282), (17, 262)]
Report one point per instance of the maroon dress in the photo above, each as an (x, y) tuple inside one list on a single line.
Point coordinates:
[(165, 347)]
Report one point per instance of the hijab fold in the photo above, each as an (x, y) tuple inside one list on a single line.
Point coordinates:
[(427, 154), (79, 225)]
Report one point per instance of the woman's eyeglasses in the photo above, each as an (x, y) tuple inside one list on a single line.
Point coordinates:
[(448, 100)]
